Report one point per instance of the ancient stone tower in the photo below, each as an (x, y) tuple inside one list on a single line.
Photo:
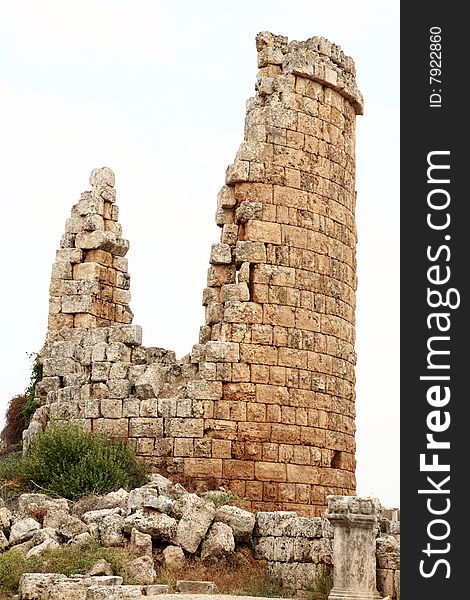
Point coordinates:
[(264, 405)]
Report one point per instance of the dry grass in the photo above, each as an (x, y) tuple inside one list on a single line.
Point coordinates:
[(238, 575)]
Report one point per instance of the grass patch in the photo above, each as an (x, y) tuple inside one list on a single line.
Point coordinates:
[(222, 498), (68, 560)]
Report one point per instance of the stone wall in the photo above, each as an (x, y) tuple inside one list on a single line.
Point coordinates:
[(264, 405), (299, 550)]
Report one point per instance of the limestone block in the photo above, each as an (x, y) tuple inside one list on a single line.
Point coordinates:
[(173, 558), (146, 427), (119, 592), (33, 585), (141, 570), (220, 254), (87, 271), (196, 587), (5, 518), (183, 427), (119, 388), (273, 524), (235, 292), (58, 366), (67, 525), (48, 544), (219, 542), (140, 543), (229, 234), (149, 384), (243, 312), (237, 171), (388, 552), (262, 231), (31, 504), (270, 471), (158, 526), (62, 270), (222, 351), (386, 582), (204, 390), (248, 210), (194, 525), (240, 521), (309, 528), (139, 497), (77, 304), (23, 530), (253, 252)]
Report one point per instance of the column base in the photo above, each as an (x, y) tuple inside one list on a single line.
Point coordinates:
[(348, 594)]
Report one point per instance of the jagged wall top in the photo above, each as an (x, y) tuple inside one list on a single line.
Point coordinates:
[(316, 58), (90, 284)]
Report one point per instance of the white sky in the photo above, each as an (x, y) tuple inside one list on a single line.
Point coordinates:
[(156, 90)]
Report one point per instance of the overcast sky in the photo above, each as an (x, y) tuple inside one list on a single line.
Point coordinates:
[(156, 90)]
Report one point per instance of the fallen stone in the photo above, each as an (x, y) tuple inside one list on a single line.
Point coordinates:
[(68, 588), (219, 542), (67, 525), (196, 587), (23, 530), (161, 504), (194, 524), (140, 543), (139, 497), (111, 530), (33, 585), (157, 525), (156, 589), (240, 521), (165, 487), (108, 580), (5, 518), (48, 544), (119, 592), (173, 558), (142, 570), (100, 567), (45, 534), (96, 516), (32, 505)]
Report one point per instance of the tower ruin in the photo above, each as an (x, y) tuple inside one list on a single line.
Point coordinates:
[(264, 404)]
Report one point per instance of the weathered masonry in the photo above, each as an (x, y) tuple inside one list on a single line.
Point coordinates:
[(264, 405)]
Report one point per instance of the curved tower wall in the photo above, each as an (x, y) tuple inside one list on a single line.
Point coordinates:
[(264, 405)]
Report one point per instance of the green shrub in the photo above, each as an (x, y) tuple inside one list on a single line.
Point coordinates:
[(221, 498), (30, 405), (70, 462)]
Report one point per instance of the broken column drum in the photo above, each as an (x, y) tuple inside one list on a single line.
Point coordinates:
[(264, 405)]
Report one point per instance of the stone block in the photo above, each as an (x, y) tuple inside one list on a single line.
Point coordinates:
[(238, 292), (222, 351), (220, 254), (196, 587), (182, 427), (119, 592), (270, 471), (146, 427), (203, 467), (248, 210), (252, 252), (262, 231)]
